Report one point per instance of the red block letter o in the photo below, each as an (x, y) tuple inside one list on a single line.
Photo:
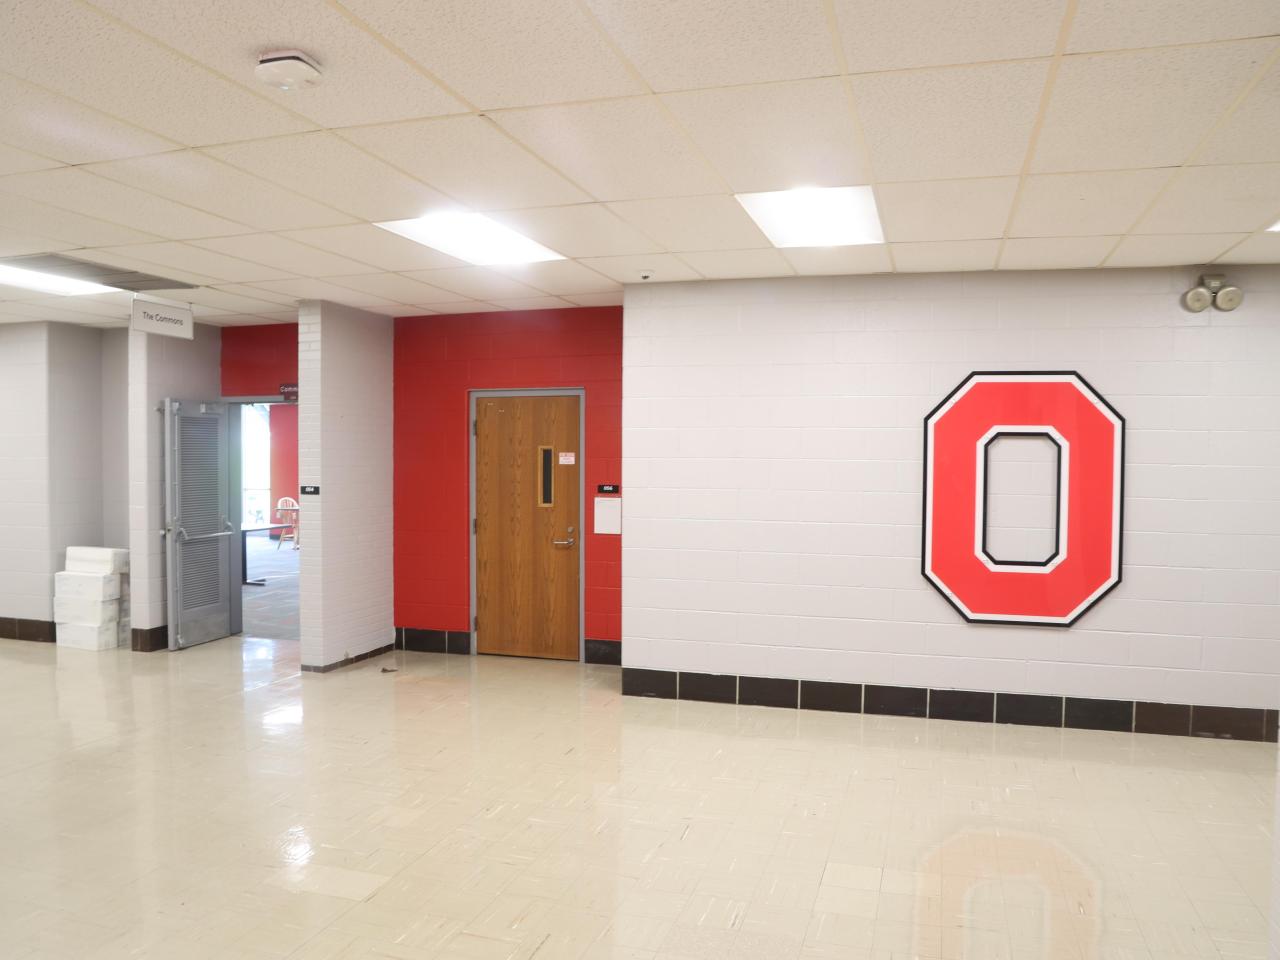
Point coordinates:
[(1089, 434)]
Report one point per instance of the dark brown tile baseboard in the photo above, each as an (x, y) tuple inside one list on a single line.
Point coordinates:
[(608, 652), (16, 628), (433, 641), (975, 706), (308, 668), (149, 639)]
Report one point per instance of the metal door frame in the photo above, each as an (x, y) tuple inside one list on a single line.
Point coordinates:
[(581, 394), (173, 586)]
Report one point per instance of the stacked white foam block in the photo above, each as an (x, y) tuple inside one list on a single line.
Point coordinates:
[(91, 598)]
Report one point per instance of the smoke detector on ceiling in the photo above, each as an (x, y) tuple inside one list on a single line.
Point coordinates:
[(287, 70)]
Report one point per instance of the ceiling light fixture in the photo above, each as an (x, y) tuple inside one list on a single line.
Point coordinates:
[(50, 282), (472, 237), (1274, 228), (816, 216)]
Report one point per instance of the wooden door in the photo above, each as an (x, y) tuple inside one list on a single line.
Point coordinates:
[(527, 538)]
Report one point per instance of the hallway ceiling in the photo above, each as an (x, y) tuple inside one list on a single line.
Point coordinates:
[(1003, 134)]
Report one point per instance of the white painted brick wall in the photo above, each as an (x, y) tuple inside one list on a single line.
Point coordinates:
[(26, 563), (772, 444), (345, 372)]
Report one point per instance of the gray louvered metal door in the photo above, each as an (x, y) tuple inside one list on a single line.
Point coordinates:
[(199, 536)]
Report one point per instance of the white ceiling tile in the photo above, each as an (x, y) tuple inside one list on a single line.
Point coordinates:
[(734, 264), (74, 189), (597, 299), (501, 53), (582, 230), (1167, 251), (559, 277), (271, 250), (752, 135), (471, 160), (533, 303), (19, 244), (479, 283), (1108, 25), (310, 289), (114, 258), (364, 80), (945, 256), (950, 122), (221, 267), (663, 267), (20, 216), (945, 209), (1225, 199), (1251, 134), (683, 44), (898, 34), (190, 177), (393, 286), (693, 223), (13, 160), (377, 247), (1054, 253), (233, 303), (1085, 204), (617, 149), (830, 261), (71, 49), (54, 126), (1260, 248), (464, 306), (1147, 108), (328, 169), (275, 297)]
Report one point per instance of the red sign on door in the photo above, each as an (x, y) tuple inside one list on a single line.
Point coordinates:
[(1088, 435)]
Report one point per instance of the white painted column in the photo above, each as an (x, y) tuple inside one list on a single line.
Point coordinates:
[(345, 370), (159, 367)]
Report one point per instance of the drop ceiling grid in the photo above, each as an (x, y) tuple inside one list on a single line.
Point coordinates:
[(117, 140)]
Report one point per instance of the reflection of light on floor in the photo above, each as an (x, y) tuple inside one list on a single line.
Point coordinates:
[(256, 650), (296, 848), (287, 716)]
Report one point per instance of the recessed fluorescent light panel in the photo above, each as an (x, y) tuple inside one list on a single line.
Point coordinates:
[(1274, 228), (816, 216), (472, 237), (49, 282)]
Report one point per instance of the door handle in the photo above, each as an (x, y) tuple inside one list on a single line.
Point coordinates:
[(184, 537), (564, 543)]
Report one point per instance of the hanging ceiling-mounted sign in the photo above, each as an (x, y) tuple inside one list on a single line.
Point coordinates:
[(162, 317), (1088, 435)]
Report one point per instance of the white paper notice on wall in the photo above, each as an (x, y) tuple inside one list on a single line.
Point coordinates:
[(608, 515), (568, 459), (164, 317)]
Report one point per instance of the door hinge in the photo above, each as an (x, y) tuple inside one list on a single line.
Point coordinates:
[(475, 428), (475, 524), (475, 623)]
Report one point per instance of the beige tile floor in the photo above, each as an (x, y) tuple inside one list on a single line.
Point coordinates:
[(217, 804)]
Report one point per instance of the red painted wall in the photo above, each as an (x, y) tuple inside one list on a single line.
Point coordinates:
[(437, 361), (284, 455), (256, 360)]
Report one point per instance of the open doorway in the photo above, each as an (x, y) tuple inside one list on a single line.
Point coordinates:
[(270, 522)]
